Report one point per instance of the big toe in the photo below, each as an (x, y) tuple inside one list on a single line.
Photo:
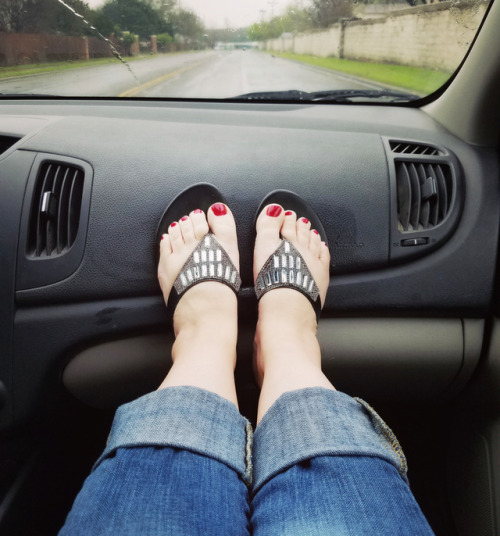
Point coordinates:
[(222, 223), (269, 224)]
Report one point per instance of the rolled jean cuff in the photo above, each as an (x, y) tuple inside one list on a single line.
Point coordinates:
[(187, 418), (314, 422)]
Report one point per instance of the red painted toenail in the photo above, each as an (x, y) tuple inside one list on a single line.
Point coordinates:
[(162, 238), (184, 218), (274, 211), (288, 213), (314, 231), (173, 224), (305, 220), (219, 209), (198, 211)]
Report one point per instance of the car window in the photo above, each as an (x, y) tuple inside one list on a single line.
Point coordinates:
[(391, 51)]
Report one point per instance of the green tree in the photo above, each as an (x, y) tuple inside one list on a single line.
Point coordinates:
[(327, 12), (186, 24), (43, 16), (103, 23), (294, 19), (134, 16), (261, 31)]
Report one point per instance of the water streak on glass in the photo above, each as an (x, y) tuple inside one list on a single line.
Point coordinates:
[(113, 49)]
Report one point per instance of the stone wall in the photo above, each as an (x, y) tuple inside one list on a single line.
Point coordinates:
[(435, 36), (321, 43)]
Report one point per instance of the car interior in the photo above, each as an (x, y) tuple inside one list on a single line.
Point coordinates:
[(408, 194)]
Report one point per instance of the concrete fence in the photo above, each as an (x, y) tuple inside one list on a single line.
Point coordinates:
[(435, 36)]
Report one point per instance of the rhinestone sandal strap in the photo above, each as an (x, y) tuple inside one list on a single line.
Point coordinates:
[(208, 262), (286, 268)]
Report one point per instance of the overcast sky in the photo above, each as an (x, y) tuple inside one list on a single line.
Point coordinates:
[(226, 13)]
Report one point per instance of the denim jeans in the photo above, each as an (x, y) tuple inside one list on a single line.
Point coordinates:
[(183, 461)]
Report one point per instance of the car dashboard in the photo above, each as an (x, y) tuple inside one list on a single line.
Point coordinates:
[(411, 214)]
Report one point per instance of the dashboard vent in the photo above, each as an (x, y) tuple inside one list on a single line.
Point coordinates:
[(414, 148), (55, 210), (425, 193)]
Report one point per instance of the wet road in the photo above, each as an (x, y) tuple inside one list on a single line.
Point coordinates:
[(207, 74)]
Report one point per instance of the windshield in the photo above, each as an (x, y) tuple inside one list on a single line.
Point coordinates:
[(256, 50)]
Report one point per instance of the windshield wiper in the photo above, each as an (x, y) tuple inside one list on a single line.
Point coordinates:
[(329, 96)]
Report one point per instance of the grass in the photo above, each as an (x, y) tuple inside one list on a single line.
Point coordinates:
[(418, 80), (39, 68), (421, 81)]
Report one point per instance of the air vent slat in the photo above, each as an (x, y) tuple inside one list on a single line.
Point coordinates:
[(404, 196), (443, 192), (55, 210), (428, 195), (74, 207), (416, 202), (62, 214), (53, 222), (434, 203), (427, 192), (41, 231)]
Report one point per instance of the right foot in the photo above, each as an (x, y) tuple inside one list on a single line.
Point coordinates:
[(286, 317), (208, 300), (205, 319)]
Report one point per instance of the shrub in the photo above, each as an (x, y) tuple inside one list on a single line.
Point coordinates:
[(164, 40)]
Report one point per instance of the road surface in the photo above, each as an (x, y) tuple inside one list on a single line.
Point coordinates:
[(206, 74)]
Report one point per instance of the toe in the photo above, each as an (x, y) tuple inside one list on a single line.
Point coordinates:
[(324, 253), (303, 231), (314, 243), (165, 245), (289, 228), (200, 224), (269, 225), (165, 255), (187, 230), (175, 234), (223, 226), (220, 219), (270, 221)]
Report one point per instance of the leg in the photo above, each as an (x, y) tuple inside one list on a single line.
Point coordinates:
[(287, 352), (204, 355), (175, 460), (324, 463)]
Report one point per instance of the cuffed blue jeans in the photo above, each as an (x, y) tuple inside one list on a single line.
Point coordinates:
[(183, 461)]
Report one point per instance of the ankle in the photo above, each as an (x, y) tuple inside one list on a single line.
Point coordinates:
[(205, 309), (287, 339), (287, 311)]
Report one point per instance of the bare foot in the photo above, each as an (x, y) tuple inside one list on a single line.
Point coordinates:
[(273, 224), (286, 351), (176, 247), (205, 319)]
